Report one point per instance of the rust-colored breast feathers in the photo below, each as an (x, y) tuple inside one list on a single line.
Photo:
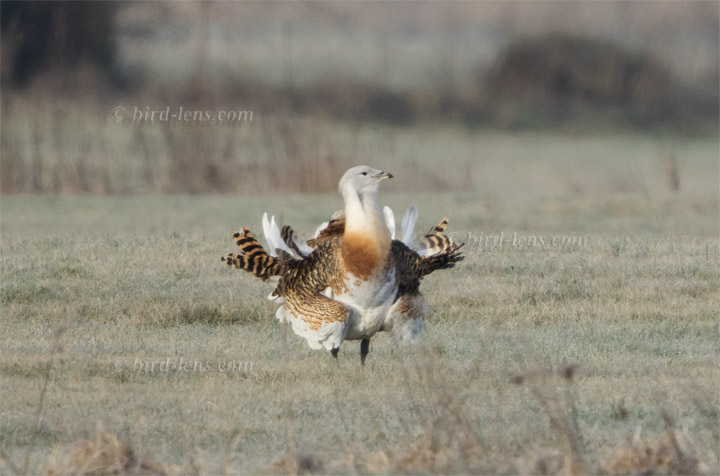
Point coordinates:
[(361, 254)]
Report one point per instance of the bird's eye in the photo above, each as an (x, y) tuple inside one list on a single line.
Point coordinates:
[(363, 173)]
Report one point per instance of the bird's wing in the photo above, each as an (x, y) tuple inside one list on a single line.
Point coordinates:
[(406, 317), (321, 320), (315, 316)]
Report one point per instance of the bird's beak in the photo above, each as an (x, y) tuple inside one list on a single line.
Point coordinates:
[(384, 175)]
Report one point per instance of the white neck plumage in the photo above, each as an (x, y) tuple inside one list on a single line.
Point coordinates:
[(366, 241), (363, 213)]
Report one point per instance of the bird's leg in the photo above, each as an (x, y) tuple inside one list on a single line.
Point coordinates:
[(364, 350), (334, 353)]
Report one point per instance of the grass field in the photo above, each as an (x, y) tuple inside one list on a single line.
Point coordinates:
[(536, 358)]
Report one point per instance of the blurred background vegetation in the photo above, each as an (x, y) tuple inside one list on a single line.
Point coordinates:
[(419, 88)]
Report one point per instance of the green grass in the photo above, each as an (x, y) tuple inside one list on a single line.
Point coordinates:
[(135, 280)]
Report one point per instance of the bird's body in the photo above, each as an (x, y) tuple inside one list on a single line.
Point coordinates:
[(352, 279), (370, 284)]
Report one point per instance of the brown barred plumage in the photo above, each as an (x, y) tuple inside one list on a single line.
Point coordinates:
[(288, 237), (301, 280), (411, 305), (334, 229)]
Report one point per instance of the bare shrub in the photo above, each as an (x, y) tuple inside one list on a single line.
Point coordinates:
[(57, 35), (559, 76)]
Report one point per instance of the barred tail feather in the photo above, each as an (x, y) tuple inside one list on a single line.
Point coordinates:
[(435, 242), (252, 257), (438, 229)]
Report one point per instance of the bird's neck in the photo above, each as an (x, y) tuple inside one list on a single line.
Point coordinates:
[(366, 241), (363, 214)]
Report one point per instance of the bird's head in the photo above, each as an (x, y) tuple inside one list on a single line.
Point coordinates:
[(362, 179)]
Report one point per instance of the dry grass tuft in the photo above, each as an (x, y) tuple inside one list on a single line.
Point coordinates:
[(104, 454), (299, 464), (545, 461), (555, 393), (661, 455), (444, 437), (449, 443)]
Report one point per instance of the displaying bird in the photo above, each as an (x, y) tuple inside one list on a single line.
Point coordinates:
[(405, 319), (351, 280)]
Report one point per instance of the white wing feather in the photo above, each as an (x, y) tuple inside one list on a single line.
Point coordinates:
[(277, 237), (267, 231), (408, 225), (302, 245), (425, 251), (322, 226), (389, 221)]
